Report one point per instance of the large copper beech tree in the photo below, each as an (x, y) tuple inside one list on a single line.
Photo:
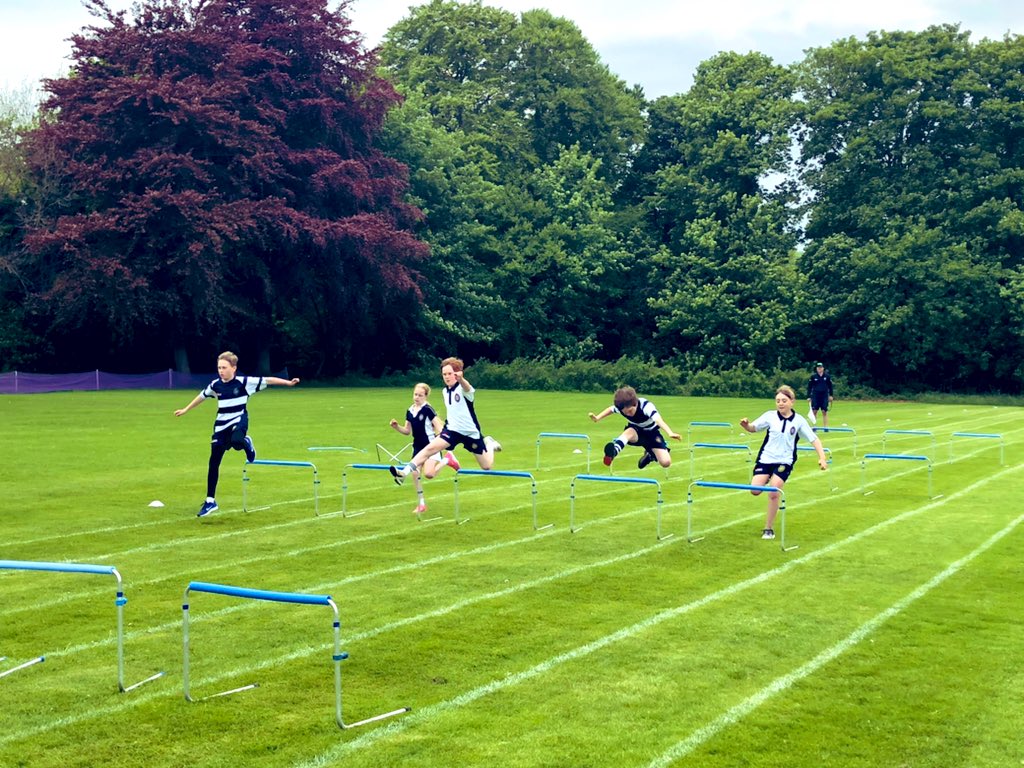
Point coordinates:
[(209, 174)]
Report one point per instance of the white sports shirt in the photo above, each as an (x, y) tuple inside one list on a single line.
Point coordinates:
[(779, 446)]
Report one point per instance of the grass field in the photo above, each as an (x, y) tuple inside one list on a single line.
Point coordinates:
[(892, 636)]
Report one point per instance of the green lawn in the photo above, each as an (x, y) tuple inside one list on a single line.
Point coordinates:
[(892, 636)]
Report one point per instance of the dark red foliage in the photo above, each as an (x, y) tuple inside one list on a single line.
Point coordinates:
[(212, 163)]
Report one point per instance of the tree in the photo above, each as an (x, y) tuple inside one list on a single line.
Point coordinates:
[(211, 172), (725, 260), (912, 145)]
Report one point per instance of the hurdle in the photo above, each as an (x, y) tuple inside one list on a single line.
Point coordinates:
[(394, 458), (736, 487), (720, 446), (278, 597), (900, 457), (712, 424), (346, 448), (984, 436), (828, 453), (119, 601), (849, 430), (917, 432), (612, 479), (344, 491), (498, 473), (276, 463), (565, 436)]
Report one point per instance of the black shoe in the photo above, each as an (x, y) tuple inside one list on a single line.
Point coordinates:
[(610, 452), (646, 459), (395, 473), (250, 450)]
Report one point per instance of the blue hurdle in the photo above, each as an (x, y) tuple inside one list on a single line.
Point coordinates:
[(278, 597), (897, 457), (375, 467), (275, 463), (916, 432), (736, 487), (849, 430), (705, 424), (498, 473), (565, 436), (984, 436), (720, 446), (828, 453), (612, 479), (120, 600)]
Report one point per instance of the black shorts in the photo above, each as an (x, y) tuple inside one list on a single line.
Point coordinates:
[(650, 440), (474, 445), (780, 471), (819, 402)]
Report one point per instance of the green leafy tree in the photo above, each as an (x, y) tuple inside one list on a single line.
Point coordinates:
[(912, 146), (725, 263)]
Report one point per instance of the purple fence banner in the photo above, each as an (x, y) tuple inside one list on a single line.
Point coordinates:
[(21, 383)]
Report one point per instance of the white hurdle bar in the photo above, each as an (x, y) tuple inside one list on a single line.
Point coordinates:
[(896, 457), (120, 601), (722, 447), (984, 436), (278, 597), (612, 479), (276, 463), (498, 473), (736, 487), (564, 436)]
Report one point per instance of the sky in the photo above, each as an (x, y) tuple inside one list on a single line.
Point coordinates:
[(656, 44)]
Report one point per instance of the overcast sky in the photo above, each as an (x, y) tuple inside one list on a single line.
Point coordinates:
[(654, 43)]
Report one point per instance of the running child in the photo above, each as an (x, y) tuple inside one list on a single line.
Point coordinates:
[(784, 428), (231, 426), (461, 426), (423, 423), (643, 428)]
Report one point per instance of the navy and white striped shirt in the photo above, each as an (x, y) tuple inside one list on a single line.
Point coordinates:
[(231, 398), (643, 419)]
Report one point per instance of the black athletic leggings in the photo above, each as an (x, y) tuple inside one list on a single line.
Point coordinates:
[(221, 445)]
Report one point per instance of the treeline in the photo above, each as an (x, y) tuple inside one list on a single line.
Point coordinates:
[(245, 174)]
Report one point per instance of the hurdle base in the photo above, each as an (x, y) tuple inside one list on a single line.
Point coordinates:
[(695, 539), (543, 527), (666, 537), (790, 548), (422, 519), (24, 665), (345, 726), (249, 687), (139, 684)]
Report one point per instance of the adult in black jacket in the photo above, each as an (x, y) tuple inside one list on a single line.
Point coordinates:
[(819, 392)]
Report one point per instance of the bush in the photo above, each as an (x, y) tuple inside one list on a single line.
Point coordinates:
[(579, 376)]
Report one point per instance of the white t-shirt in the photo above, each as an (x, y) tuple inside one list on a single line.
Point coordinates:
[(461, 416), (779, 446)]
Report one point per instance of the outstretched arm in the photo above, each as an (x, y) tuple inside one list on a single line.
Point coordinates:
[(405, 430), (597, 417), (195, 401), (745, 423), (278, 382), (822, 458), (668, 430)]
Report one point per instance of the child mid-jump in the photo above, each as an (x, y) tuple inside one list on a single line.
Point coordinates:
[(643, 428), (460, 428), (232, 423), (423, 423)]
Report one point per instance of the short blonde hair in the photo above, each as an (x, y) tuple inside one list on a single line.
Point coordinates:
[(786, 390), (231, 357), (424, 387)]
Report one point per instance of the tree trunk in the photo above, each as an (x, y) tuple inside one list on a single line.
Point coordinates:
[(181, 360)]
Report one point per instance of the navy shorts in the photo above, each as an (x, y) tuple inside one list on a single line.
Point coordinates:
[(780, 471), (233, 437), (650, 440), (474, 445), (819, 402)]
